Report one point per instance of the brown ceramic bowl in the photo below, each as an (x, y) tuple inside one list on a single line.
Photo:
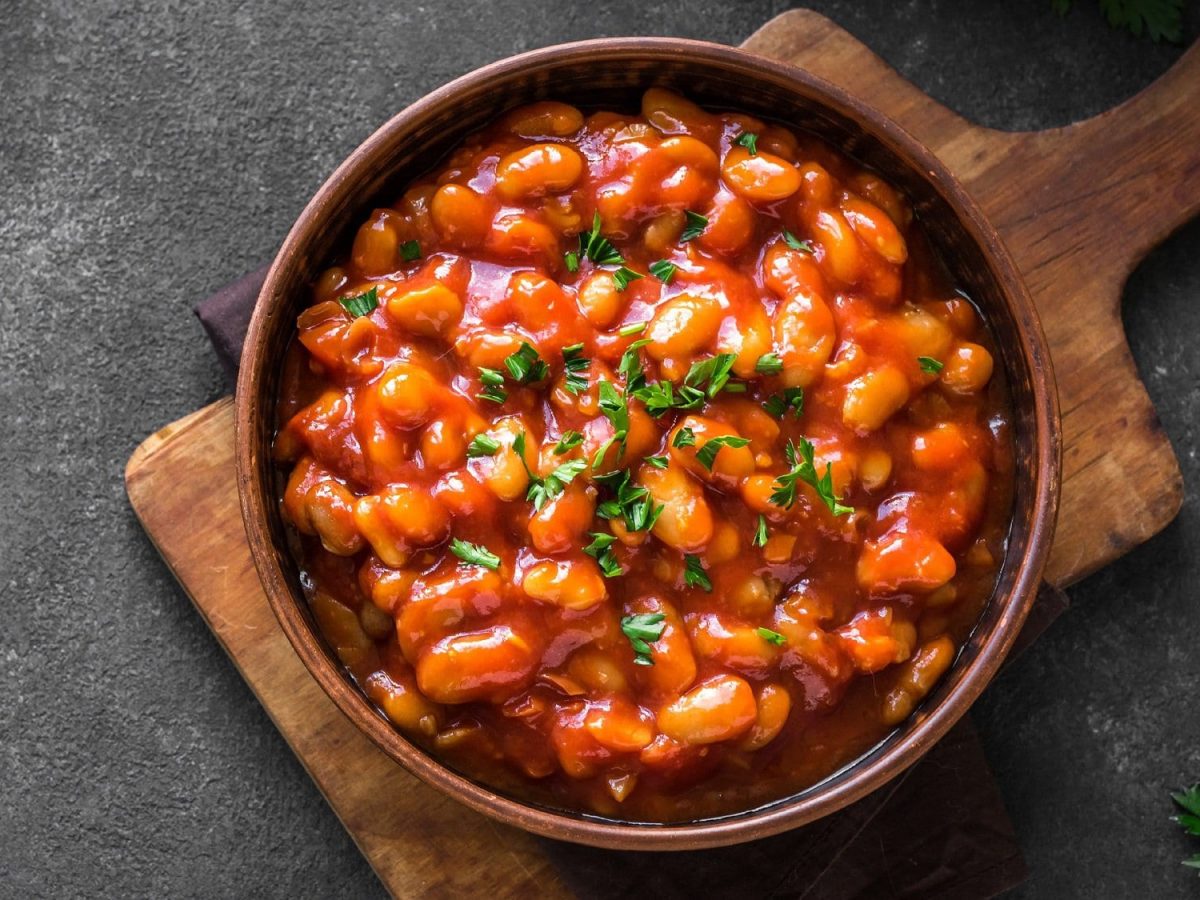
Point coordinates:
[(613, 74)]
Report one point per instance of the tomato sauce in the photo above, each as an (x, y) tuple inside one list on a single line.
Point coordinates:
[(649, 465)]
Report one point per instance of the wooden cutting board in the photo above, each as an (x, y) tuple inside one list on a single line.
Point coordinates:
[(1078, 207)]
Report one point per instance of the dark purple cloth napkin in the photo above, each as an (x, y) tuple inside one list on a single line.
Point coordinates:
[(938, 831)]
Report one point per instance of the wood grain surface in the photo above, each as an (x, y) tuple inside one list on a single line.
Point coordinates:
[(1078, 207)]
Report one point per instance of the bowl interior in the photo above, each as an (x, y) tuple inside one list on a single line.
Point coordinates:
[(613, 75)]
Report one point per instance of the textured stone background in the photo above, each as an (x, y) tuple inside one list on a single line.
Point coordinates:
[(150, 152)]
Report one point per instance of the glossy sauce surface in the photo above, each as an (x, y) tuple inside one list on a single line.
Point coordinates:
[(657, 547)]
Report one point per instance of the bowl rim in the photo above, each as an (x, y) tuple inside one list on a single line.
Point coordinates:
[(869, 771)]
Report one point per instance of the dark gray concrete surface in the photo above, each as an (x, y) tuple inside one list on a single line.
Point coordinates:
[(150, 152)]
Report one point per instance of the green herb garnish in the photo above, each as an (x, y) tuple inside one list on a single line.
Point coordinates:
[(768, 364), (623, 276), (493, 382), (542, 489), (600, 549), (598, 248), (361, 304), (929, 365), (568, 442), (474, 554), (642, 630), (795, 243), (694, 226), (632, 329), (1160, 19), (629, 502), (707, 455), (571, 258), (659, 462), (803, 469), (410, 250), (760, 533), (615, 408), (525, 365), (749, 140), (664, 271), (693, 572), (714, 370), (1189, 802), (778, 404), (482, 445), (576, 366), (684, 437), (771, 637)]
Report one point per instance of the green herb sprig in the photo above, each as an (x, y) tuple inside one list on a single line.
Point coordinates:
[(642, 630), (803, 469)]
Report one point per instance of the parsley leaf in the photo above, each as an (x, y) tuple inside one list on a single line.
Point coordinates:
[(929, 365), (659, 462), (714, 370), (600, 549), (493, 382), (805, 470), (684, 437), (694, 226), (749, 140), (615, 409), (576, 366), (568, 442), (623, 276), (630, 366), (642, 630), (707, 455), (1189, 801), (795, 243), (633, 328), (769, 364), (410, 250), (778, 404), (474, 554), (631, 502), (571, 258), (664, 271), (771, 637), (545, 489), (525, 365), (1160, 19), (693, 572), (598, 248), (361, 304), (482, 445), (658, 397), (760, 533)]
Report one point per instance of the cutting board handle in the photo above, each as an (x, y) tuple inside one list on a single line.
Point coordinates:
[(1097, 195)]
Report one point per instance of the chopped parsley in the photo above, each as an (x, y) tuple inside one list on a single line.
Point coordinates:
[(795, 243), (630, 366), (659, 462), (929, 365), (642, 630), (598, 248), (493, 385), (571, 258), (714, 370), (632, 328), (707, 455), (525, 365), (804, 470), (545, 488), (624, 275), (760, 533), (630, 502), (361, 304), (778, 404), (410, 250), (768, 364), (568, 442), (694, 226), (615, 408), (684, 437), (693, 572), (664, 271), (1189, 802), (474, 554), (482, 445), (771, 637), (576, 366), (601, 550), (749, 140)]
